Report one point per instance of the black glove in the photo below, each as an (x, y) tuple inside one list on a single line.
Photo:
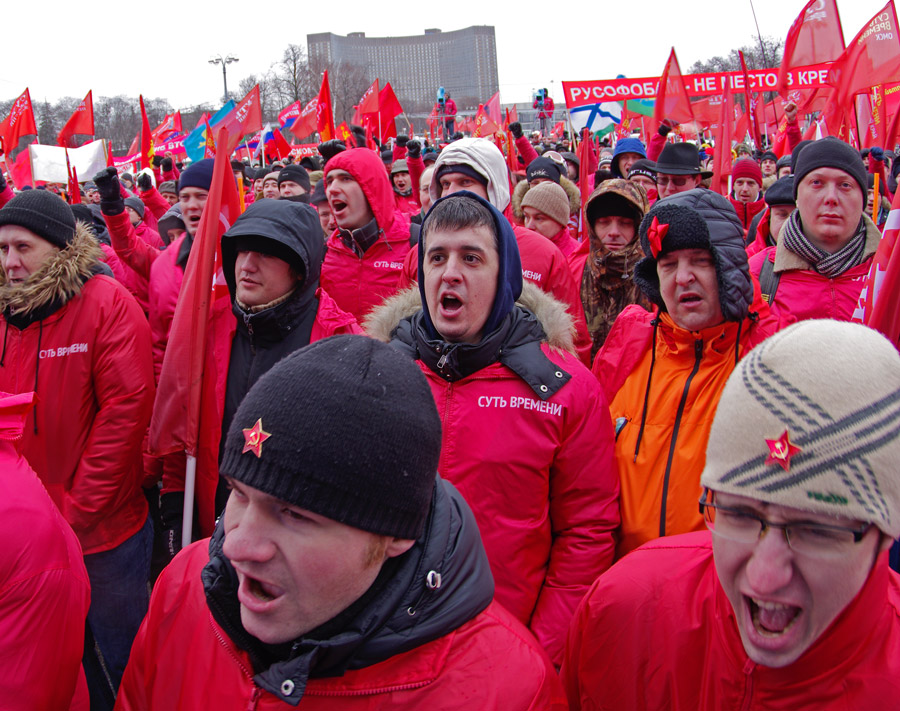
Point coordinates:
[(171, 510), (329, 149), (144, 181), (457, 136), (666, 127), (515, 128), (107, 182), (401, 140), (877, 153), (167, 165), (413, 148), (157, 161), (2, 182)]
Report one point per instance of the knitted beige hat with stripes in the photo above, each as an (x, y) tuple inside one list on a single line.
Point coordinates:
[(810, 419)]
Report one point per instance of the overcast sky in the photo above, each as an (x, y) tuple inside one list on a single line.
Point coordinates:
[(57, 48)]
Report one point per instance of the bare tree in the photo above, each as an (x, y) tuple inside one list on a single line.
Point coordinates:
[(294, 80)]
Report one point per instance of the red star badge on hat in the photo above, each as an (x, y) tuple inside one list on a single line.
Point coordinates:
[(254, 438), (655, 235), (780, 451)]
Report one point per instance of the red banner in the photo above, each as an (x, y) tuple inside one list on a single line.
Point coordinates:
[(18, 122), (583, 93)]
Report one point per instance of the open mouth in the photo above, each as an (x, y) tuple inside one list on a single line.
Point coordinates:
[(338, 205), (450, 304), (690, 299), (261, 590), (771, 619)]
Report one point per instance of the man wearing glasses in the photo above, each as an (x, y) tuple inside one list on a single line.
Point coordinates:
[(787, 601), (678, 169)]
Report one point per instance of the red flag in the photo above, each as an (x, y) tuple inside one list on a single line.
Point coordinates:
[(492, 109), (879, 301), (749, 107), (170, 124), (244, 118), (209, 148), (672, 100), (81, 123), (389, 109), (587, 161), (146, 140), (816, 36), (872, 58), (305, 125), (343, 133), (19, 122), (484, 124), (324, 115), (722, 157), (188, 375), (20, 169), (368, 104)]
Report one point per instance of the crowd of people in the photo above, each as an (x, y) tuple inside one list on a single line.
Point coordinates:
[(475, 444)]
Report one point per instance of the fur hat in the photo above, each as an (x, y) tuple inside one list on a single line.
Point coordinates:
[(43, 213), (550, 199), (810, 419), (698, 219)]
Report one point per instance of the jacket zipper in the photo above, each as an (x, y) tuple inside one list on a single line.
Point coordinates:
[(749, 666), (698, 356), (256, 692)]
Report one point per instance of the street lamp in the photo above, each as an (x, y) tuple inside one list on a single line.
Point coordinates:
[(224, 61)]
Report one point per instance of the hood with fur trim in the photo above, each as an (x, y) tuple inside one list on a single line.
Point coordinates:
[(368, 170), (551, 314), (482, 155), (57, 282), (523, 186)]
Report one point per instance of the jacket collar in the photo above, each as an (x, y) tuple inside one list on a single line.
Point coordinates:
[(785, 260), (52, 286), (442, 582), (279, 318)]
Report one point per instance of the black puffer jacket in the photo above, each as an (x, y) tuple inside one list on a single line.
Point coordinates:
[(442, 582)]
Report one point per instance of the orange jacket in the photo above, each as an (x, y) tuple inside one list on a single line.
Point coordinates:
[(661, 450)]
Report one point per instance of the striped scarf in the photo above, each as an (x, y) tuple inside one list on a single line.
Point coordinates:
[(824, 263)]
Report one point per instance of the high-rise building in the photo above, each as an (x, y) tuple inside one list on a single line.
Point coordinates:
[(464, 62)]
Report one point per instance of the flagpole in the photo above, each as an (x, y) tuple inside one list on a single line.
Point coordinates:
[(190, 479)]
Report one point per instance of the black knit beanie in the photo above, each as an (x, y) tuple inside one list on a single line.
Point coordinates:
[(346, 428), (136, 204), (42, 212), (197, 175), (297, 174), (543, 168), (781, 192), (831, 152)]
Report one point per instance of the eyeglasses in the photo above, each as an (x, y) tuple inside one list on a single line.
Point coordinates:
[(815, 540), (677, 182)]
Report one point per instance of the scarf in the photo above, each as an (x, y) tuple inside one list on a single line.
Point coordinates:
[(828, 265)]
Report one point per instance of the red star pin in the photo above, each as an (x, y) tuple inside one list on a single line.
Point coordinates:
[(781, 450), (254, 438), (655, 235)]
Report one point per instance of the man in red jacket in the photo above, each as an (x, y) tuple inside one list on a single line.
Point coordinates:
[(365, 253), (527, 435), (825, 247), (81, 342), (789, 602), (345, 574), (746, 196)]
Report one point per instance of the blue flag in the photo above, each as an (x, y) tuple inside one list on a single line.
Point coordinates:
[(195, 142)]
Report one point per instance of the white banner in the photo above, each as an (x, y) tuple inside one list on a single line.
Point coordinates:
[(49, 162)]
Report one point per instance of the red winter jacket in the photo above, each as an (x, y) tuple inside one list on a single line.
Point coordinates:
[(657, 632), (759, 240), (122, 233), (182, 660), (89, 362), (155, 202), (747, 210), (539, 475), (803, 293), (359, 283), (44, 588)]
